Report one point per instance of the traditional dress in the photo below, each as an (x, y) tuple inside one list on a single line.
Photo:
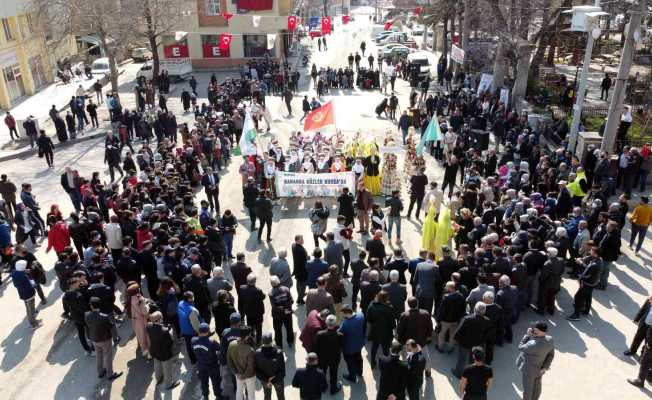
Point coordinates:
[(445, 231), (372, 174), (390, 178), (410, 156), (429, 230)]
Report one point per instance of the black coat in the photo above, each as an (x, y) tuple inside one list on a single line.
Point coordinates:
[(452, 308), (393, 378), (642, 313), (264, 209), (414, 324), (473, 331), (251, 299), (328, 346), (310, 381), (76, 305), (249, 195), (161, 341), (270, 362), (299, 257)]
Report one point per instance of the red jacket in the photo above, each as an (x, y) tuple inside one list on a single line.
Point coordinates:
[(142, 236), (58, 237), (312, 325), (10, 121)]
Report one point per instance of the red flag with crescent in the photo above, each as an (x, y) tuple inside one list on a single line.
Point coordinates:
[(227, 16), (345, 19), (326, 25), (225, 41), (418, 10), (323, 116), (388, 25), (292, 22)]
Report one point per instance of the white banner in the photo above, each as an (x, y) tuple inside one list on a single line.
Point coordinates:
[(457, 54), (504, 96), (485, 82), (291, 184)]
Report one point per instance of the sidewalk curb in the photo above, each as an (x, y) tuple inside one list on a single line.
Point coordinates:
[(28, 152)]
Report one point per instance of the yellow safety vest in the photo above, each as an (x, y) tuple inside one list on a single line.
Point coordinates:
[(574, 187)]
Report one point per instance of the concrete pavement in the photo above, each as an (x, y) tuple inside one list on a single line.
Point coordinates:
[(49, 363)]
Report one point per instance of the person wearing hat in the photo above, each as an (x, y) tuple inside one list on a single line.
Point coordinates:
[(101, 329), (207, 354), (161, 348), (270, 368), (310, 381), (477, 377), (241, 359), (26, 292), (536, 354)]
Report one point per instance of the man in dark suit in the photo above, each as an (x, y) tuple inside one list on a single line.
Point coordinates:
[(101, 329), (328, 346), (643, 317), (393, 374), (264, 212), (211, 183), (251, 300), (396, 293), (416, 363), (472, 331)]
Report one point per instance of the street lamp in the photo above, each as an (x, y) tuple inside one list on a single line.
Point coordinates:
[(584, 20)]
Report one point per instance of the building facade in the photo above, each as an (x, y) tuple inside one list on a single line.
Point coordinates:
[(24, 59), (203, 25)]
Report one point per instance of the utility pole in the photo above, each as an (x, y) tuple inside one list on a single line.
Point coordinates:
[(618, 96), (581, 90)]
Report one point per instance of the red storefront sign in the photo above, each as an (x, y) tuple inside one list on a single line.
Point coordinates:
[(176, 51), (214, 51)]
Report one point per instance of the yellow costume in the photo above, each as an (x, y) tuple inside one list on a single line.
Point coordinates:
[(429, 230), (372, 172), (445, 231)]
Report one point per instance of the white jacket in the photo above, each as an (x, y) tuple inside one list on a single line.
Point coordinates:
[(113, 236)]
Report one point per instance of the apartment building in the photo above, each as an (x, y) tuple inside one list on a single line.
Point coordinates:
[(24, 61), (205, 22)]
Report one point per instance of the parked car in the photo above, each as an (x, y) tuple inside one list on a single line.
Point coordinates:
[(100, 67), (398, 50), (178, 69), (394, 37), (386, 48), (141, 54), (382, 35)]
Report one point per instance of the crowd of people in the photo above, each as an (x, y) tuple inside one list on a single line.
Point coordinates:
[(149, 249)]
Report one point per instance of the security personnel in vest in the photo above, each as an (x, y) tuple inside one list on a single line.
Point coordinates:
[(578, 187), (208, 362)]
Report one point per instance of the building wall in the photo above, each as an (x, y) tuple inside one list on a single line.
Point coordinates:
[(272, 21), (25, 45)]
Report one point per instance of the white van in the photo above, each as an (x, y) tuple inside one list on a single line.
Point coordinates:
[(100, 67), (178, 69)]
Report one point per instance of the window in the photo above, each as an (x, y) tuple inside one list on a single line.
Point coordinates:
[(213, 7), (7, 28), (255, 45)]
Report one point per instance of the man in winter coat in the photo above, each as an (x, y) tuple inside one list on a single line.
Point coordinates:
[(310, 380), (315, 322), (269, 364), (393, 375), (75, 305), (281, 301), (416, 324), (550, 281), (161, 348), (251, 298), (241, 360), (328, 347), (473, 330), (449, 314), (380, 317), (353, 331), (26, 291), (207, 354)]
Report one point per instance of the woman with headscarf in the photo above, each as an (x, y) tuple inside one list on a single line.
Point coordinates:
[(138, 310)]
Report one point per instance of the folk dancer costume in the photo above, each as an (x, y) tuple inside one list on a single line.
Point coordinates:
[(372, 173), (410, 155), (390, 180)]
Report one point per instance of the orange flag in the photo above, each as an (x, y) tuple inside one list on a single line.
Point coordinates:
[(323, 116)]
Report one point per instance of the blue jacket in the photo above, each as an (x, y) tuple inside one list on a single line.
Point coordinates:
[(5, 235), (184, 309), (353, 330), (315, 268), (23, 285)]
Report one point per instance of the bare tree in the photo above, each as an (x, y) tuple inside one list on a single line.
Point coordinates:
[(108, 20), (156, 18)]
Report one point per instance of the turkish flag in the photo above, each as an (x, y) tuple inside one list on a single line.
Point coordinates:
[(292, 23), (227, 16), (326, 25), (418, 10), (323, 116), (225, 41), (345, 19), (388, 25)]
